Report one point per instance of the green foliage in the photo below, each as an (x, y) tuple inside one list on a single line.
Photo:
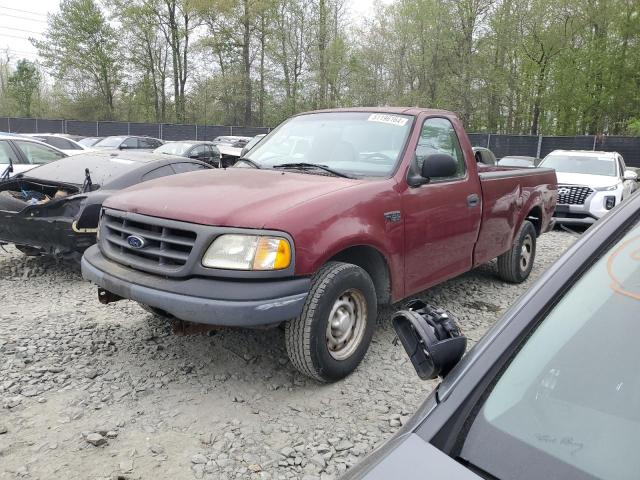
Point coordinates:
[(24, 85), (81, 48)]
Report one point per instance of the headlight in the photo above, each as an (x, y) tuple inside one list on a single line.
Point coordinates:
[(248, 252), (606, 189)]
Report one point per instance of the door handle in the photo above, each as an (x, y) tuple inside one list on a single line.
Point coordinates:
[(473, 200)]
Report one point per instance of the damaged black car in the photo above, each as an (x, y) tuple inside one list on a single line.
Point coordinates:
[(54, 209)]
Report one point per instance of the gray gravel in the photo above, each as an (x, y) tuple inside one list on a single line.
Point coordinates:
[(91, 391)]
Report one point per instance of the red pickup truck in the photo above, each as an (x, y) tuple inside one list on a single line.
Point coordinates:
[(333, 214)]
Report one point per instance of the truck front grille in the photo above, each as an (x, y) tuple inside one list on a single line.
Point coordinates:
[(145, 243), (572, 194)]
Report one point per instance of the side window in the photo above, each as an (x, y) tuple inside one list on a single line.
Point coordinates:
[(130, 143), (621, 166), (38, 154), (185, 167), (215, 153), (438, 136), (61, 143), (158, 173), (199, 152), (6, 153)]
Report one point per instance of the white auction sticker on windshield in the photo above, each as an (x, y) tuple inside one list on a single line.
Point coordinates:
[(386, 118)]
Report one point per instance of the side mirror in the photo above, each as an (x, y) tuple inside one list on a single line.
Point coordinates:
[(123, 147), (195, 156), (431, 338), (630, 175), (439, 165)]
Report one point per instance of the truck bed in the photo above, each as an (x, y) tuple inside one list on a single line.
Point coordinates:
[(506, 193)]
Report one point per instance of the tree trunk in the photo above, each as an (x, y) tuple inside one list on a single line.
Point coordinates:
[(248, 100)]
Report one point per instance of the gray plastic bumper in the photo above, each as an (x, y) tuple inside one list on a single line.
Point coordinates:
[(230, 303)]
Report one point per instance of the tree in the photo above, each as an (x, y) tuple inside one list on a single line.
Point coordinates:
[(81, 48), (23, 85)]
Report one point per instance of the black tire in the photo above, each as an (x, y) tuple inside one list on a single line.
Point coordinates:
[(516, 264), (307, 336)]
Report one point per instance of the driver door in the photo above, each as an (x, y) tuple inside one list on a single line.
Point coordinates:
[(442, 218)]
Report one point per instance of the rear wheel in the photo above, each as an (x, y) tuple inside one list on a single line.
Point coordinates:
[(331, 336), (515, 265)]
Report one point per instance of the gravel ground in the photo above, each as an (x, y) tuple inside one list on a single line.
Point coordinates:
[(94, 392)]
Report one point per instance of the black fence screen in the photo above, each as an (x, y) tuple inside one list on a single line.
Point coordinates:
[(531, 145), (164, 131)]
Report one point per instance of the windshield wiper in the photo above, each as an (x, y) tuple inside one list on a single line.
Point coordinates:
[(249, 161), (87, 186), (306, 166)]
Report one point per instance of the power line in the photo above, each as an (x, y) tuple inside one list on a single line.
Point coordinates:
[(20, 30), (36, 20), (24, 11)]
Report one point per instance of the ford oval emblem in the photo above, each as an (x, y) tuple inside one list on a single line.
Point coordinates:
[(136, 242)]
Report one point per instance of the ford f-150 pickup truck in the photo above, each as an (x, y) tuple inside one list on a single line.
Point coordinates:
[(333, 214)]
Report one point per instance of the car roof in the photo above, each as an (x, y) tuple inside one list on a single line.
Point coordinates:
[(392, 110), (194, 142), (585, 153)]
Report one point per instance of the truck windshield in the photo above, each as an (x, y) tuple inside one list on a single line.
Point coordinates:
[(356, 143), (591, 164)]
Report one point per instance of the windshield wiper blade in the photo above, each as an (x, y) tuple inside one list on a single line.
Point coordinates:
[(249, 161), (304, 166)]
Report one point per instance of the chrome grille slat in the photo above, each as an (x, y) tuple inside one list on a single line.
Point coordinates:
[(573, 194), (165, 249), (161, 238), (159, 252)]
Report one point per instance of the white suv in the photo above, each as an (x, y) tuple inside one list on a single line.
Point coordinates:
[(590, 184)]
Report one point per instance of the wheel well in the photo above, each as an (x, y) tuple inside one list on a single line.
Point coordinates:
[(372, 262), (535, 217)]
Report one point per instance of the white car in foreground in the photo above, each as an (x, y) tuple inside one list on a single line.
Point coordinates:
[(590, 184)]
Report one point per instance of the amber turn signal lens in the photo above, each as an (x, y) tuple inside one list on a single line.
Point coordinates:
[(272, 253)]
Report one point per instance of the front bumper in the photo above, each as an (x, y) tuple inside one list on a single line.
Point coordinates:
[(52, 235), (588, 213), (212, 301)]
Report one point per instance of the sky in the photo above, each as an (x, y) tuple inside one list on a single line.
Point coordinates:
[(28, 18)]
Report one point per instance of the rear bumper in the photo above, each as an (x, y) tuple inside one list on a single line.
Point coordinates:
[(212, 301)]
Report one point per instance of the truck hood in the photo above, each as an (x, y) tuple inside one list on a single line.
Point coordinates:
[(234, 197), (597, 181)]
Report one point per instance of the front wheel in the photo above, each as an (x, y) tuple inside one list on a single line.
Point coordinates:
[(516, 264), (331, 336)]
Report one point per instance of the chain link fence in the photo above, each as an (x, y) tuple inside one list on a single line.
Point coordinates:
[(501, 145)]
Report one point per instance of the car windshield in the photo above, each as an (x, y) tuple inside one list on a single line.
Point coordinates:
[(109, 142), (568, 404), (354, 143), (174, 148), (589, 164)]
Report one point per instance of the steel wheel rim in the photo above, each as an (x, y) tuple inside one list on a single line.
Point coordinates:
[(526, 252), (346, 324)]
